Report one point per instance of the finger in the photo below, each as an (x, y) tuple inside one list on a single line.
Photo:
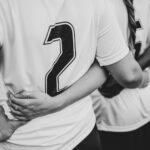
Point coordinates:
[(19, 112), (17, 101), (33, 94), (13, 111), (21, 118), (16, 108), (17, 95), (24, 95), (8, 93), (11, 104)]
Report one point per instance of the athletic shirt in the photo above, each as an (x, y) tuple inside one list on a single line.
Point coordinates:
[(47, 45), (131, 108)]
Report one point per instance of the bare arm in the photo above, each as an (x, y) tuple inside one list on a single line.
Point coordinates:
[(144, 59), (93, 79), (41, 104), (7, 127), (128, 73), (112, 88)]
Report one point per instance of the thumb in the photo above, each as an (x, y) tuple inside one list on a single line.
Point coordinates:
[(16, 124), (25, 94)]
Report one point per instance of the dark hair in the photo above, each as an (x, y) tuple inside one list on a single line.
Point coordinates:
[(131, 23)]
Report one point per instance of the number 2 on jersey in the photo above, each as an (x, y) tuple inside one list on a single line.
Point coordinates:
[(64, 33)]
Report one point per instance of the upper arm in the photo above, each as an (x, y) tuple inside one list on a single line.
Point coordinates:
[(111, 46), (126, 71), (113, 52)]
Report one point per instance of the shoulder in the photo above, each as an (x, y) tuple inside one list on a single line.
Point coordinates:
[(99, 6), (5, 6)]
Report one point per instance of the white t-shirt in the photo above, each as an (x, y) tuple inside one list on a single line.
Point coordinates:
[(131, 108), (47, 46)]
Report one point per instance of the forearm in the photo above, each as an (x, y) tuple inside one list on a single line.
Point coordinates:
[(41, 104), (93, 79), (7, 127), (145, 80), (144, 62), (144, 59), (125, 71)]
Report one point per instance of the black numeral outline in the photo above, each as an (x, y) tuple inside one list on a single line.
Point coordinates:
[(64, 33)]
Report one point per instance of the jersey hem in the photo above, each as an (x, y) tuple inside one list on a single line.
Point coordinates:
[(108, 128), (79, 139)]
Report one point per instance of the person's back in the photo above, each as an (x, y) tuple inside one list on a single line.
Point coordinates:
[(47, 46), (129, 110), (128, 98), (35, 55)]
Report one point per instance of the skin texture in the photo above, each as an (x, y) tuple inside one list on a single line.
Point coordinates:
[(112, 88), (7, 127), (29, 105)]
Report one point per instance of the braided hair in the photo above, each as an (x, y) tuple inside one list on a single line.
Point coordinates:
[(131, 23), (111, 88)]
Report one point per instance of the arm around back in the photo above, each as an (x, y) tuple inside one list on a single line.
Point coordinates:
[(128, 72)]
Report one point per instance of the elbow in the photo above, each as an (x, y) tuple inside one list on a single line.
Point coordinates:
[(133, 79)]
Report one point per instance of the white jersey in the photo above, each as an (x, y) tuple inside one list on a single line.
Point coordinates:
[(47, 45), (131, 108)]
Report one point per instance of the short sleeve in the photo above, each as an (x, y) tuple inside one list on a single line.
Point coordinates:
[(111, 46)]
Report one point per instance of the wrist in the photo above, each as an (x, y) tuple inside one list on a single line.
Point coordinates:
[(146, 79), (63, 100), (148, 73), (56, 102)]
